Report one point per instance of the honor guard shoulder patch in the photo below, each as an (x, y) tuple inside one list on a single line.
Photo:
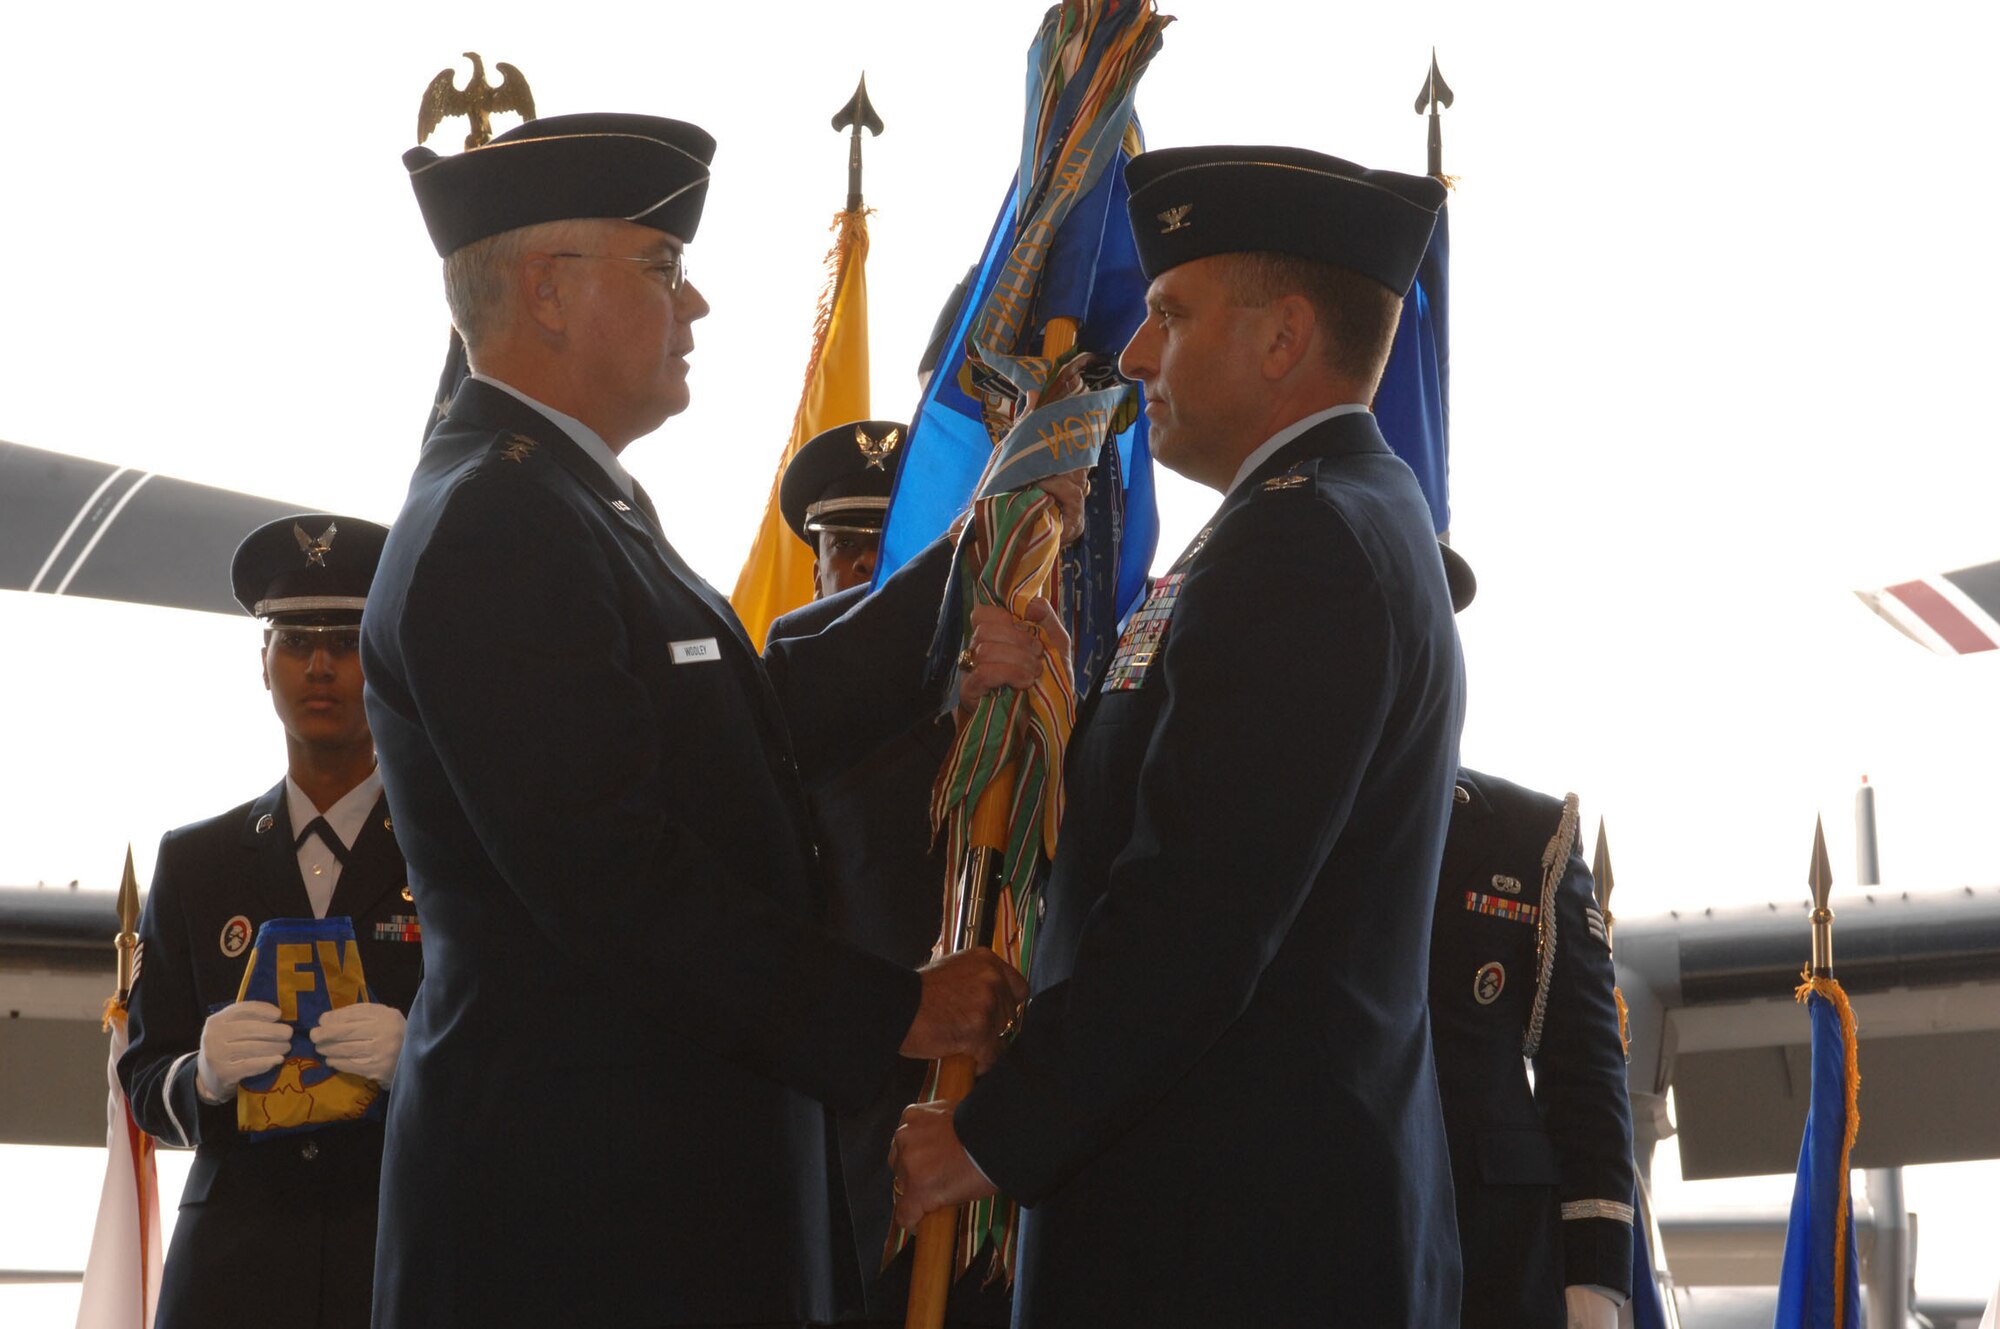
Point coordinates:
[(1145, 636), (1496, 907), (1489, 982), (235, 937)]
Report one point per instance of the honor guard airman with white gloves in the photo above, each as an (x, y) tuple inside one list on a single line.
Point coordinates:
[(279, 1226), (1521, 974)]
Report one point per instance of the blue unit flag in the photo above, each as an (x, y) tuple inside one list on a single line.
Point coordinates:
[(1819, 1284), (1413, 403)]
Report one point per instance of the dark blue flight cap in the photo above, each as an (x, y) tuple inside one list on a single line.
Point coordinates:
[(311, 568), (840, 480), (640, 168), (1189, 203)]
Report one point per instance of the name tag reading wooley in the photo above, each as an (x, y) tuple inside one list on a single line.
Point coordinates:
[(695, 652), (305, 967)]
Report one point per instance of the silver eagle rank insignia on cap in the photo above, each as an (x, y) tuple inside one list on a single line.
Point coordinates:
[(1175, 218)]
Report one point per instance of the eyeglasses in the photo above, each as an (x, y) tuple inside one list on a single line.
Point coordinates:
[(302, 640), (672, 270)]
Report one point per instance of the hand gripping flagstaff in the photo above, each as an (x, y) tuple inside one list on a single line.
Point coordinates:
[(998, 799)]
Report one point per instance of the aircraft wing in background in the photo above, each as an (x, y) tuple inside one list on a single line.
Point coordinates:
[(71, 526), (1952, 613)]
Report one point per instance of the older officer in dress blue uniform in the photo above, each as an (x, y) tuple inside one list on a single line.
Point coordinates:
[(1220, 1108), (282, 1227), (611, 1106)]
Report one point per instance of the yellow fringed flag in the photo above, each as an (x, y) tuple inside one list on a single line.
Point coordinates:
[(777, 576)]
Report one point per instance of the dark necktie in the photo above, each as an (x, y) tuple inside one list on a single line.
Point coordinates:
[(319, 827)]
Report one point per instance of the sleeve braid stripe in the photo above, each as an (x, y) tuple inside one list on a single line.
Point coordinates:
[(1611, 1209)]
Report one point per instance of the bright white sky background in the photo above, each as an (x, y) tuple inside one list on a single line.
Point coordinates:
[(1721, 292)]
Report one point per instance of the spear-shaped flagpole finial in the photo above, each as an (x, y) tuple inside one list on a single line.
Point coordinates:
[(1600, 874), (1436, 94), (1820, 878), (856, 115), (128, 926)]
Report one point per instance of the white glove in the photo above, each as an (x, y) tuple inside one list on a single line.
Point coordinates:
[(363, 1039), (1590, 1309), (237, 1042)]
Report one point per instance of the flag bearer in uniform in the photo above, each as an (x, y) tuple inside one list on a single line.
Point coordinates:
[(278, 1227), (873, 823), (1220, 1108)]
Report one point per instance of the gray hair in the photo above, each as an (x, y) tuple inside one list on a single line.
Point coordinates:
[(478, 278)]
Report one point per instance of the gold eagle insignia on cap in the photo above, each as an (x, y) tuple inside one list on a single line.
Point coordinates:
[(876, 451), (315, 550), (1175, 218)]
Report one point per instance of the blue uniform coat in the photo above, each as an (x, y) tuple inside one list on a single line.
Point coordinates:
[(1221, 1108), (281, 1228), (610, 1107), (1542, 1173)]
